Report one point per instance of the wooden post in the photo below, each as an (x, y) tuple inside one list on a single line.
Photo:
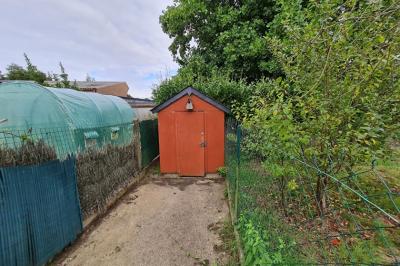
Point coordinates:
[(238, 140)]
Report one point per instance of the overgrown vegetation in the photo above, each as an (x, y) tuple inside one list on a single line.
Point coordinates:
[(28, 153), (351, 230), (338, 106), (217, 86), (319, 181), (229, 245), (102, 172), (220, 46), (32, 73), (220, 36)]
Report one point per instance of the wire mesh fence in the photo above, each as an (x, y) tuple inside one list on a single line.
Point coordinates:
[(107, 157), (68, 140), (290, 212)]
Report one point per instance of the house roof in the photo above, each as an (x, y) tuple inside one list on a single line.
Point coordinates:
[(139, 102), (90, 84), (189, 91)]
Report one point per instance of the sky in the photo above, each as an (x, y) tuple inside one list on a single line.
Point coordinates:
[(118, 40)]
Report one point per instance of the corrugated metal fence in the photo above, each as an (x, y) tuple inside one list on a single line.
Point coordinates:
[(39, 211)]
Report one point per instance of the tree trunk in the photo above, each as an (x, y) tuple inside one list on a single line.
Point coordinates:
[(322, 201), (283, 195)]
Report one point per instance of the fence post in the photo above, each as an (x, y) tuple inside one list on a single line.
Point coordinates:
[(138, 150), (238, 140)]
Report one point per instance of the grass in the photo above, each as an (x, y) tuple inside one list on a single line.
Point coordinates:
[(229, 245), (351, 232)]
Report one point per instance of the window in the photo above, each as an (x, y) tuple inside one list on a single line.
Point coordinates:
[(91, 139), (114, 133)]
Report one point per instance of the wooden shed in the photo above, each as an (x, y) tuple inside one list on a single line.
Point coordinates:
[(191, 129)]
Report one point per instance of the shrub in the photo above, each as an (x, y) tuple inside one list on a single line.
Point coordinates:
[(29, 153), (338, 104), (222, 171), (101, 173), (218, 87)]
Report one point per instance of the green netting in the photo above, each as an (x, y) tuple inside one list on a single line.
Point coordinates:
[(66, 119)]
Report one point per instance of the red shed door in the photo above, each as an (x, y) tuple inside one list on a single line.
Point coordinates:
[(190, 139)]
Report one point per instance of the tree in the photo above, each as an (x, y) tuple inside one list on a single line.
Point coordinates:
[(215, 39), (64, 77), (16, 72), (338, 103), (31, 72), (226, 35), (62, 80), (89, 78)]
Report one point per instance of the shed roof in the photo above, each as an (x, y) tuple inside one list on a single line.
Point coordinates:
[(189, 91)]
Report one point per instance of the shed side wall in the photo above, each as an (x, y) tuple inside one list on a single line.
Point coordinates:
[(215, 128), (167, 141)]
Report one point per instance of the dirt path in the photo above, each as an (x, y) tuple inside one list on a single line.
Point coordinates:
[(165, 221)]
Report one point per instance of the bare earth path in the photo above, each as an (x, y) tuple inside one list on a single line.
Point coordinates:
[(165, 221)]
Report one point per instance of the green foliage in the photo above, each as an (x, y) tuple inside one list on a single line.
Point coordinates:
[(220, 46), (279, 199), (217, 87), (32, 73), (229, 245), (338, 104), (226, 35), (362, 252), (222, 171), (292, 185), (258, 250), (61, 80), (16, 72)]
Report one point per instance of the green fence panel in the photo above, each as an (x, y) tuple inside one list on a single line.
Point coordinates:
[(149, 141), (39, 212)]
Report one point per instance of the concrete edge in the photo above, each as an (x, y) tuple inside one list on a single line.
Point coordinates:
[(237, 236)]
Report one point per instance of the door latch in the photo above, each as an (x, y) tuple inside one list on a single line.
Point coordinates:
[(203, 144)]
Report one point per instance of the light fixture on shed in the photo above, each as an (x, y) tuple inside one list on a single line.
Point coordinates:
[(189, 104)]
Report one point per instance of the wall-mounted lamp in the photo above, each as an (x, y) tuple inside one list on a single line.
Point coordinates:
[(189, 105), (3, 120)]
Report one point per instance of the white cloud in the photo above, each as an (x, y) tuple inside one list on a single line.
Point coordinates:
[(110, 40)]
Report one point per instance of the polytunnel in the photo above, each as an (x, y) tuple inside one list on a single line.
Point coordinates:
[(66, 119)]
